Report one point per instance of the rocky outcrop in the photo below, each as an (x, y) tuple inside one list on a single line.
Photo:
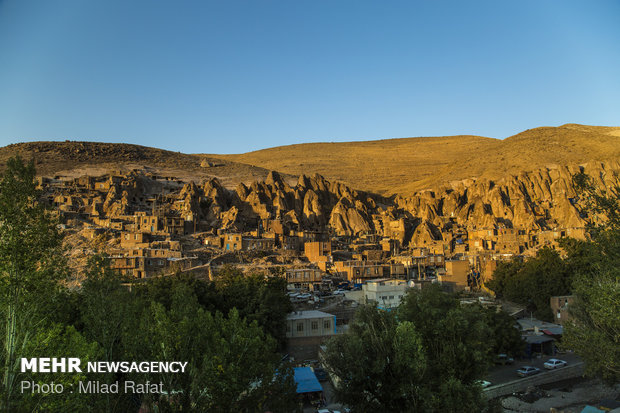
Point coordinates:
[(541, 200)]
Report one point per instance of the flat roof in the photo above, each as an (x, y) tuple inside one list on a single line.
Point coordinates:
[(306, 380), (300, 315)]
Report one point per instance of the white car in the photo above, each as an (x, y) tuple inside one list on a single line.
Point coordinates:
[(484, 383), (554, 364)]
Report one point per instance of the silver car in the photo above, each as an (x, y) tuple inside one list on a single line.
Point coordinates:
[(554, 364), (528, 371)]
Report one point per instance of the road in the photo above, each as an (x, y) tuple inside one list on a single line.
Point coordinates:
[(504, 374)]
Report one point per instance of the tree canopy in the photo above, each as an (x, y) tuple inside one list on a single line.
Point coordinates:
[(427, 356)]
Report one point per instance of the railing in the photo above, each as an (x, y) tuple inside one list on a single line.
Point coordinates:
[(568, 372)]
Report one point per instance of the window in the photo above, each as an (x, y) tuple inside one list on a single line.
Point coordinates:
[(315, 325), (300, 327), (391, 297), (327, 324)]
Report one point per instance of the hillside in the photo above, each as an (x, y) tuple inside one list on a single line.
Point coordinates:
[(392, 166), (407, 165), (71, 158)]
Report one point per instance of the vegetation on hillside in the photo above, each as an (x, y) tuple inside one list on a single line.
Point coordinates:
[(228, 331), (427, 356)]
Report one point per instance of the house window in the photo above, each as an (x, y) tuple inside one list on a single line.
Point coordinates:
[(300, 327), (327, 324), (391, 297), (315, 325)]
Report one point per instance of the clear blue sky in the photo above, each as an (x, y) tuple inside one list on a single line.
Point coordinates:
[(233, 76)]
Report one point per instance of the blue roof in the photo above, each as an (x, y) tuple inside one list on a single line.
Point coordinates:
[(592, 409), (306, 380)]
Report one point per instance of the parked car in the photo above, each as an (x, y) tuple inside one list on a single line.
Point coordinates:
[(483, 383), (339, 292), (554, 364), (528, 371), (503, 359)]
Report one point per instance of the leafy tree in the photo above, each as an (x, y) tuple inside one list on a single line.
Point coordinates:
[(534, 281), (506, 337), (456, 338), (257, 297), (427, 356), (380, 364), (58, 341), (594, 333), (232, 364), (29, 268), (109, 314)]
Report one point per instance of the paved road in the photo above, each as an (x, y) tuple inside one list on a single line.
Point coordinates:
[(504, 374)]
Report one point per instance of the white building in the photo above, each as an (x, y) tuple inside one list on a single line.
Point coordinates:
[(386, 292), (312, 323)]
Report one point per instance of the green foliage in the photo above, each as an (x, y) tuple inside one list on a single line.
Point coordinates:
[(30, 266), (427, 356), (534, 281), (505, 336), (594, 333), (456, 338), (232, 364), (256, 297), (380, 364), (59, 341)]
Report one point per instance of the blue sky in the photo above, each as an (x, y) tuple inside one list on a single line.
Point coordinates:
[(234, 76)]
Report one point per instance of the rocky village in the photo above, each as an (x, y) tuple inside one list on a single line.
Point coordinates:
[(317, 233)]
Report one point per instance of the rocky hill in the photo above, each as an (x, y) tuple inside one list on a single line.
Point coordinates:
[(536, 201), (71, 158), (404, 166)]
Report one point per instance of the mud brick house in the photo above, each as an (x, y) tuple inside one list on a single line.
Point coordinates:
[(318, 251), (456, 275), (304, 278), (359, 271), (232, 242)]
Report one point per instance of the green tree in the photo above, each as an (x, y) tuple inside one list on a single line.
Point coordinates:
[(456, 338), (109, 314), (232, 364), (380, 364), (594, 333), (534, 281), (58, 341), (29, 268), (427, 356)]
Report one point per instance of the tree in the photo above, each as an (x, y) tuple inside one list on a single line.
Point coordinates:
[(427, 356), (29, 267), (534, 281), (109, 314), (380, 364), (456, 338), (594, 333), (232, 364)]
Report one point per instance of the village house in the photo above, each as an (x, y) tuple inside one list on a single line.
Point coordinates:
[(304, 278), (307, 330), (386, 293), (456, 275)]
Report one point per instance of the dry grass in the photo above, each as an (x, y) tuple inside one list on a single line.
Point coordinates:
[(404, 166), (393, 166)]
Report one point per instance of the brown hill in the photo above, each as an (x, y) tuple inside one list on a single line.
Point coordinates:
[(71, 158), (404, 166), (392, 166)]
